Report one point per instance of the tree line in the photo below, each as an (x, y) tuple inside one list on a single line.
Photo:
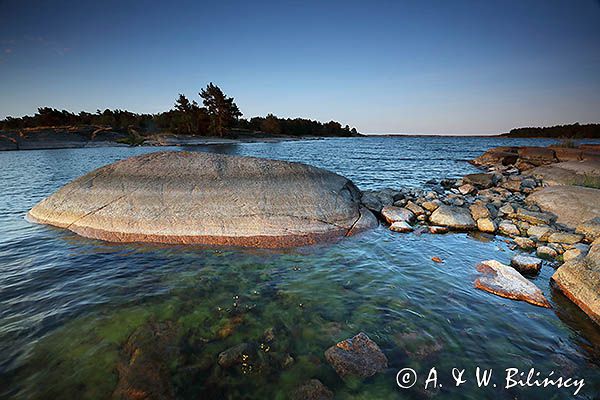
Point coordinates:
[(575, 130), (217, 116)]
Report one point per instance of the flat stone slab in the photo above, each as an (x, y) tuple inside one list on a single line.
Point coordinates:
[(505, 281), (571, 204), (216, 199)]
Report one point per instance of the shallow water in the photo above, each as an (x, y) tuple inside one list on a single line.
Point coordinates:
[(69, 304)]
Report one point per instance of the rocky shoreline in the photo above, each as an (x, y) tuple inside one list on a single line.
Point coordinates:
[(534, 197), (75, 137)]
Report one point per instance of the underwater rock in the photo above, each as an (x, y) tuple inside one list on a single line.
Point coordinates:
[(505, 281), (217, 199), (236, 355), (312, 390), (144, 373), (358, 357)]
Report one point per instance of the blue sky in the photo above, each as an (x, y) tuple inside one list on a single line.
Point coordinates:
[(432, 67)]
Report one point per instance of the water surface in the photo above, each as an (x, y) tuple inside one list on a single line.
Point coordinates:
[(68, 304)]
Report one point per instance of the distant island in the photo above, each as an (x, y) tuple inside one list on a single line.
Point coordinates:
[(218, 119), (559, 131)]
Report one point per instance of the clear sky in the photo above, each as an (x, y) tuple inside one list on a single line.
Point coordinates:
[(439, 67)]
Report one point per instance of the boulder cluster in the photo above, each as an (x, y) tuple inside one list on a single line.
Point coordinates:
[(524, 196)]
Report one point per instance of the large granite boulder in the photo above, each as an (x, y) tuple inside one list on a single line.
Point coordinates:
[(185, 197), (579, 280), (572, 205)]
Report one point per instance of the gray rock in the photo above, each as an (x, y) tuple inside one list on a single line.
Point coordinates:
[(482, 181), (397, 214), (508, 228), (534, 218), (526, 264), (546, 252), (215, 199), (356, 357), (565, 237), (452, 217), (539, 232)]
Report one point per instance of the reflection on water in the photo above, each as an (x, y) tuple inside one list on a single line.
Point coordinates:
[(69, 306)]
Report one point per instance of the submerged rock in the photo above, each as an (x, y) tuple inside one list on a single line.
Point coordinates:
[(185, 197), (505, 281), (452, 217), (312, 390), (358, 357), (144, 372), (579, 280), (236, 355)]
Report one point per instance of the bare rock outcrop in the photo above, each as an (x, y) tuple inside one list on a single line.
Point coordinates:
[(188, 197)]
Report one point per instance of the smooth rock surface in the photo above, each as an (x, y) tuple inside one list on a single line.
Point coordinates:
[(579, 280), (358, 357), (572, 205), (185, 197), (452, 217), (505, 281), (393, 214)]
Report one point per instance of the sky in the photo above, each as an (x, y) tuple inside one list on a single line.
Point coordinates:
[(428, 67)]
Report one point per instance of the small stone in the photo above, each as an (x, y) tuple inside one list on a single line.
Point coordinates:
[(416, 209), (524, 243), (546, 252), (564, 237), (437, 259), (506, 209), (509, 229), (430, 205), (401, 226), (438, 229), (466, 188), (539, 232), (358, 357), (526, 264), (512, 185), (486, 225), (479, 210), (397, 214), (480, 180)]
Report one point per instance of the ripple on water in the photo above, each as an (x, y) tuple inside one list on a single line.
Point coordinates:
[(68, 304)]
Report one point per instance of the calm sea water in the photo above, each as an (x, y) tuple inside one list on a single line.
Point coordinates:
[(68, 304)]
